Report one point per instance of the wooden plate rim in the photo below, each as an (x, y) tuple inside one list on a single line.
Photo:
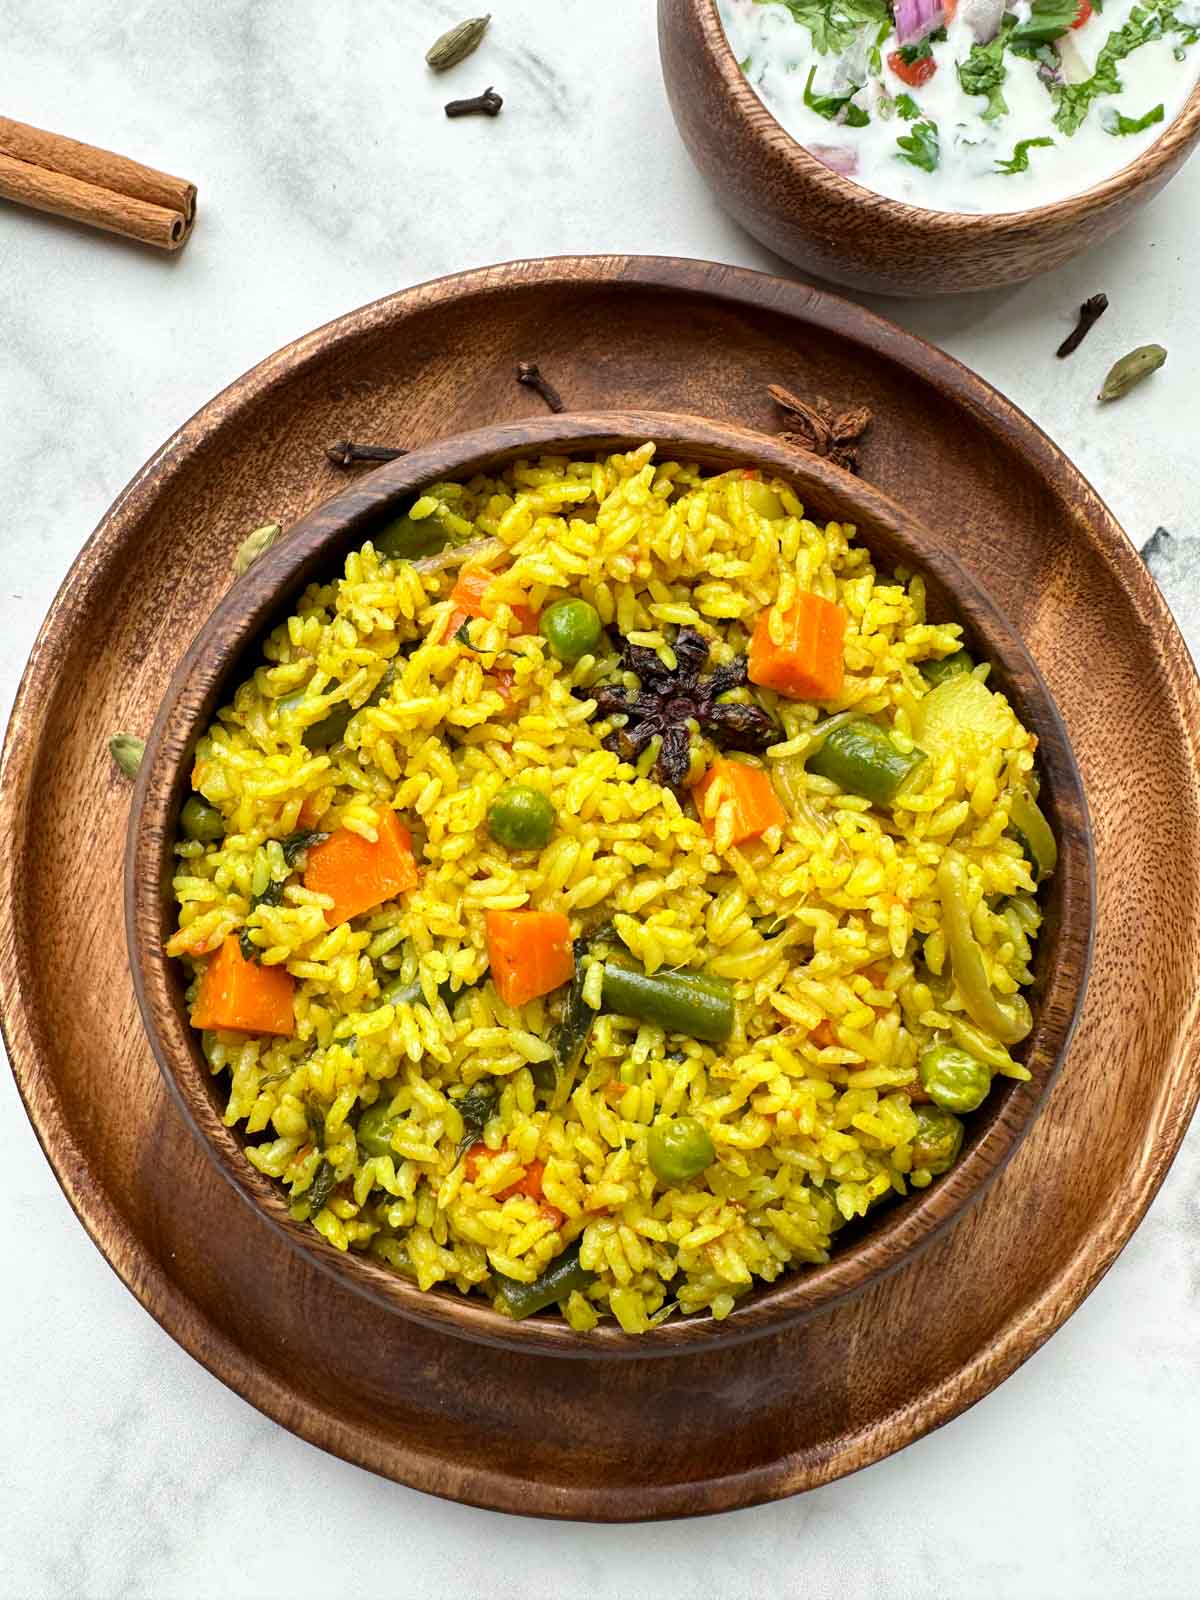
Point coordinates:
[(175, 1312), (315, 544)]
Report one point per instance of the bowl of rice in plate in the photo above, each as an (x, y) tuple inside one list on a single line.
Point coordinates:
[(608, 885)]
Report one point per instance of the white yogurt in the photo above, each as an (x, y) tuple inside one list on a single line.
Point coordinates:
[(777, 55)]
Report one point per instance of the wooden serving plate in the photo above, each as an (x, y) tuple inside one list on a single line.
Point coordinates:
[(645, 1438), (227, 648)]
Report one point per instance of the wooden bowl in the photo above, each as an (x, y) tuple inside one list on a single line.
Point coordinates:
[(220, 655), (830, 226)]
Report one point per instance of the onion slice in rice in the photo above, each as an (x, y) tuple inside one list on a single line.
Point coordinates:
[(480, 551)]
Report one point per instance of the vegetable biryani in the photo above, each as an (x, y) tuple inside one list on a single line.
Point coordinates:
[(607, 888)]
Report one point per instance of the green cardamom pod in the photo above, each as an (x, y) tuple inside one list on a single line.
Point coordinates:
[(251, 548), (127, 751), (1131, 370), (458, 43)]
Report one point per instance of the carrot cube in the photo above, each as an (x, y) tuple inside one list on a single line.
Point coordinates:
[(756, 805), (361, 875), (530, 953), (243, 996), (808, 662)]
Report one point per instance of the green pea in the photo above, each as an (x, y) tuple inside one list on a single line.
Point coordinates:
[(951, 666), (200, 821), (571, 628), (679, 1149), (374, 1131), (521, 817), (938, 1140), (406, 539), (953, 1079)]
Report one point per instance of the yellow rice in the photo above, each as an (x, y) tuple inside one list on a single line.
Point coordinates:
[(817, 923)]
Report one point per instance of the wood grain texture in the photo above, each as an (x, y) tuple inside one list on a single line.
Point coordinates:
[(827, 224), (224, 652), (580, 1438)]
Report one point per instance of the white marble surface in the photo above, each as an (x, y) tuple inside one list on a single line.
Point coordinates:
[(328, 177)]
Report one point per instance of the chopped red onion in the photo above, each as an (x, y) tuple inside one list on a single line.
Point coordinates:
[(915, 19), (836, 157)]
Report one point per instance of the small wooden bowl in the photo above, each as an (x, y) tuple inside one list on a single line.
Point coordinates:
[(222, 653), (830, 226)]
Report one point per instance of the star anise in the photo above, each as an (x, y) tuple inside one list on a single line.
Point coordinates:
[(666, 699), (821, 429)]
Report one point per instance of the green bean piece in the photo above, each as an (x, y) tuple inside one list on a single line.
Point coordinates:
[(679, 1149), (953, 1079), (935, 672), (559, 1281), (200, 821), (691, 1003), (406, 539), (374, 1131), (399, 993), (330, 729), (939, 1139), (1035, 834), (521, 817), (1010, 1019), (572, 629), (861, 759)]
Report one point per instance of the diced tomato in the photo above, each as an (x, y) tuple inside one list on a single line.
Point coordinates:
[(530, 1184), (479, 591), (915, 73), (475, 1158), (1086, 12)]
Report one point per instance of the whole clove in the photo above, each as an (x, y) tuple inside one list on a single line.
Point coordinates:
[(821, 429), (345, 454), (1090, 313), (487, 104), (530, 374)]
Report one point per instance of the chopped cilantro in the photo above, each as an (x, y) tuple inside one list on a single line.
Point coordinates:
[(832, 106), (984, 72), (1073, 101), (1113, 121), (907, 107), (919, 147), (835, 23), (1048, 20), (1019, 161)]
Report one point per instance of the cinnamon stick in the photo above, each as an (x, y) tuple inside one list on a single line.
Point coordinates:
[(90, 164), (80, 181)]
